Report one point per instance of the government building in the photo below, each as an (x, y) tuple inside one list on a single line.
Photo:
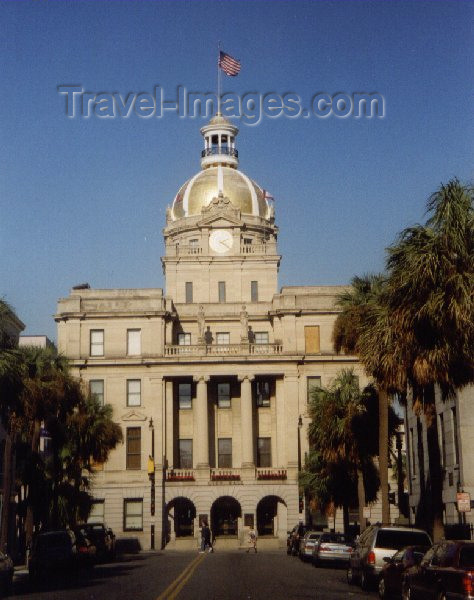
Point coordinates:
[(210, 378)]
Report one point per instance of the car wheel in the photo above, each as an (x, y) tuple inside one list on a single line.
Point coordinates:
[(382, 590), (350, 576)]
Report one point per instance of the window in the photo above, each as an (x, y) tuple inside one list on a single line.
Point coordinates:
[(194, 243), (96, 389), (223, 395), (262, 392), (189, 292), (221, 286), (134, 392), (97, 342), (133, 514), (97, 512), (134, 447), (254, 291), (311, 339), (224, 453), (261, 337), (312, 383), (185, 454), (134, 342), (222, 339), (442, 435), (264, 452), (184, 395), (247, 241), (455, 435), (184, 339)]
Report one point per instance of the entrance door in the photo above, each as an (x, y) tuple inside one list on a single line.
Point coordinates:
[(224, 516), (184, 515), (266, 512)]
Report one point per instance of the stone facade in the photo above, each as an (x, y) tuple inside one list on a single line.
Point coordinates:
[(455, 427), (211, 378)]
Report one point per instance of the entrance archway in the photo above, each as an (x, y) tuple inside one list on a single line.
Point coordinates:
[(225, 513), (267, 510), (184, 515)]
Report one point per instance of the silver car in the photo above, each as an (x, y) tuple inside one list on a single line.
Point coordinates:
[(307, 543), (332, 548)]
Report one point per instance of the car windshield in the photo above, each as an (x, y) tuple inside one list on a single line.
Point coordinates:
[(466, 559), (394, 539), (314, 536)]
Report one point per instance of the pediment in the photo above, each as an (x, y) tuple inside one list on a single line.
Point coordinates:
[(220, 220), (134, 415)]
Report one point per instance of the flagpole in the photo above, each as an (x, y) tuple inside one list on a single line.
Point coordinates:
[(218, 79)]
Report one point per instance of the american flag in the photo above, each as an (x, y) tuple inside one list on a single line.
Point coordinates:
[(230, 66)]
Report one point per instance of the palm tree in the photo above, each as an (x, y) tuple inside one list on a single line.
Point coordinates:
[(431, 303), (342, 451), (11, 385), (363, 327)]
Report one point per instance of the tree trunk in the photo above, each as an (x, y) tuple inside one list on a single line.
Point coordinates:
[(345, 517), (435, 476), (383, 453), (7, 490), (361, 499), (29, 520)]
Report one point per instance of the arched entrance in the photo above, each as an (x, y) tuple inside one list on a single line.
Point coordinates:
[(225, 513), (267, 511), (183, 512)]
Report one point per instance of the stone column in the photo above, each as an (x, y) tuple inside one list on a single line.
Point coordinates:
[(246, 412), (201, 438), (169, 428)]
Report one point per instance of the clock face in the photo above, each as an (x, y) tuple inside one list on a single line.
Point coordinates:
[(221, 240)]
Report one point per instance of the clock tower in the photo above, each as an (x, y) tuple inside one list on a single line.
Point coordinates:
[(220, 234)]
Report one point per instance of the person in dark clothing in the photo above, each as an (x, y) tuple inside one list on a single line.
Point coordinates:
[(206, 537)]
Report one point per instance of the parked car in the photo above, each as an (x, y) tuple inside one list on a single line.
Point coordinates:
[(332, 548), (52, 551), (104, 539), (85, 548), (376, 543), (307, 543), (445, 572), (293, 539), (391, 577), (6, 572)]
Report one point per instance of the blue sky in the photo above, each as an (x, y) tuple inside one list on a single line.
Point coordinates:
[(84, 200)]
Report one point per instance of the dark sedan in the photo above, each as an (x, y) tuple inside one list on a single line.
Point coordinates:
[(446, 572), (391, 577)]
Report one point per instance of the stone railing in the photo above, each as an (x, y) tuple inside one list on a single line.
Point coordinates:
[(180, 475), (223, 349), (270, 474), (225, 475), (253, 248), (188, 250)]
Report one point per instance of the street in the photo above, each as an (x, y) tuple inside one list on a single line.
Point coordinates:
[(268, 575)]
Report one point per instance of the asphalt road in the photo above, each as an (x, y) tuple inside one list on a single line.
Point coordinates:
[(270, 575)]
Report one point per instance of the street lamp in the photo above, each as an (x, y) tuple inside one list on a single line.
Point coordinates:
[(300, 498), (151, 475)]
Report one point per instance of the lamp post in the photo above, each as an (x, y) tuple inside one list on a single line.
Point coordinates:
[(151, 475), (301, 508)]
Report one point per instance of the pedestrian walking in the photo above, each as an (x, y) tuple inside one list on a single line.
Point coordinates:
[(205, 538), (252, 541)]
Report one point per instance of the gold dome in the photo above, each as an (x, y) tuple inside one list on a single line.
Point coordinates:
[(198, 192)]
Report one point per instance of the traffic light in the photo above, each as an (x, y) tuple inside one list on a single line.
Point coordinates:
[(391, 497), (301, 505)]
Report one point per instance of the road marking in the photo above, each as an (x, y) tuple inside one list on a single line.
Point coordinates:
[(177, 585)]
